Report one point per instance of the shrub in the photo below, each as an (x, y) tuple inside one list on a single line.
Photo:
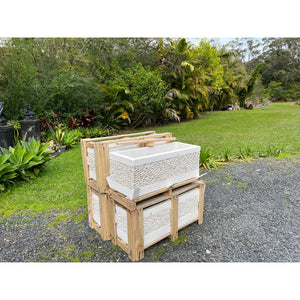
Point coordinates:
[(71, 138), (139, 92), (69, 93), (276, 91), (207, 160), (94, 132), (22, 162)]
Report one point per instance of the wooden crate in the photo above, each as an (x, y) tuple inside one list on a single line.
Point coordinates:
[(95, 153), (139, 225), (95, 157)]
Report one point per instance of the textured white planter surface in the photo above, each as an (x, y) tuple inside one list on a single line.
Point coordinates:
[(188, 204), (156, 222), (112, 148), (96, 208), (139, 171)]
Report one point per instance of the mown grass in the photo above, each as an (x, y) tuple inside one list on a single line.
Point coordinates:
[(61, 184), (276, 126)]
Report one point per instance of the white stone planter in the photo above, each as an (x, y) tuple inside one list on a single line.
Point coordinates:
[(140, 171)]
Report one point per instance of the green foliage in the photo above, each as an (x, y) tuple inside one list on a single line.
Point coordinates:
[(94, 132), (227, 154), (71, 137), (135, 95), (60, 186), (282, 66), (24, 161), (17, 130), (7, 171), (69, 93), (207, 160), (275, 91), (195, 74), (246, 91), (132, 82)]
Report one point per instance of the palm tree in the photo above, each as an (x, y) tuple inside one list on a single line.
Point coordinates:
[(182, 68)]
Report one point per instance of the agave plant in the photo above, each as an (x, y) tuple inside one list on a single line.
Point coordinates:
[(26, 158), (7, 171)]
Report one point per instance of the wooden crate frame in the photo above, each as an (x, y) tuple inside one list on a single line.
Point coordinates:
[(106, 228), (100, 185), (135, 246), (101, 150)]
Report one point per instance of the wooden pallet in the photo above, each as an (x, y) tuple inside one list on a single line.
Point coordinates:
[(133, 220)]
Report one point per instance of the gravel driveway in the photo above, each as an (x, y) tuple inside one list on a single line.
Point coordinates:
[(252, 214)]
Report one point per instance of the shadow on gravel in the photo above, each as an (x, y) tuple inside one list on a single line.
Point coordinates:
[(252, 214)]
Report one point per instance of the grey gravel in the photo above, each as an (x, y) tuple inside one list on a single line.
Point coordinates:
[(252, 214)]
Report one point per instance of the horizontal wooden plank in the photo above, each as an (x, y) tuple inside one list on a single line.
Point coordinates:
[(121, 199), (183, 183), (186, 188), (188, 223), (167, 189), (138, 139), (117, 136), (156, 241), (152, 201), (163, 137), (146, 141)]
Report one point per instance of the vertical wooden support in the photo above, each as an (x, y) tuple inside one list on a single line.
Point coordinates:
[(140, 235), (131, 232), (174, 217), (84, 161), (102, 166), (135, 234), (113, 220), (201, 201), (90, 207), (106, 218), (102, 171)]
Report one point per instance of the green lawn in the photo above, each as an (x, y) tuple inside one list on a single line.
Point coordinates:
[(61, 184), (276, 125)]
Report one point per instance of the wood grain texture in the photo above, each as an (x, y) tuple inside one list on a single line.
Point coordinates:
[(90, 207), (201, 201), (174, 218), (84, 160)]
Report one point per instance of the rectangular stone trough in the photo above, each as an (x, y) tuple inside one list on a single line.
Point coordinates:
[(140, 171)]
